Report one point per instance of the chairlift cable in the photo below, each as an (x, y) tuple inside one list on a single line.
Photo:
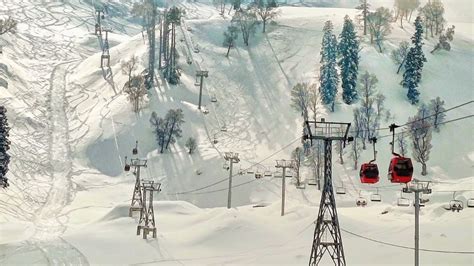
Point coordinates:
[(227, 178)]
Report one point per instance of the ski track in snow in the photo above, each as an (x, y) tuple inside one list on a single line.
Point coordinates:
[(41, 190)]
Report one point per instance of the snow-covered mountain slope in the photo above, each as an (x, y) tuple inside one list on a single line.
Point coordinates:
[(69, 195)]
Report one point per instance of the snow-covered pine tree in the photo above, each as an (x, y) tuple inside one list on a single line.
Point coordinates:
[(328, 78), (4, 147), (349, 62), (414, 64)]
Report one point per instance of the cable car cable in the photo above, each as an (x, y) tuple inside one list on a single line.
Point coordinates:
[(405, 247), (411, 122)]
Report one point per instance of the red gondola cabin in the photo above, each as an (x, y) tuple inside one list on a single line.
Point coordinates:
[(369, 173), (400, 170)]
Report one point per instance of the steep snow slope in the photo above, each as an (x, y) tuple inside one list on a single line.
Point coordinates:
[(252, 88)]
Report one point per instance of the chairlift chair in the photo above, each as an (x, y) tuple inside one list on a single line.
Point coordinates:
[(301, 186), (376, 197), (226, 166), (403, 202), (288, 173), (213, 98), (258, 175), (250, 171), (340, 190), (470, 203), (267, 173), (455, 205), (312, 182), (205, 110), (361, 201), (224, 128), (278, 174)]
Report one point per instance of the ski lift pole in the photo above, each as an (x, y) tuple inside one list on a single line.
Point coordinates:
[(233, 158), (417, 187)]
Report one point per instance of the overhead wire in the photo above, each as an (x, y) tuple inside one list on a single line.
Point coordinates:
[(405, 247), (286, 146), (227, 178)]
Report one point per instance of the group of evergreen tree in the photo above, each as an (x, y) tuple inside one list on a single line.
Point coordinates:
[(348, 52)]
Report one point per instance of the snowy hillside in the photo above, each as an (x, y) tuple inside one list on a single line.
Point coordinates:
[(72, 126)]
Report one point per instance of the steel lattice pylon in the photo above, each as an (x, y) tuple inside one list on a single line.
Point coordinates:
[(327, 235)]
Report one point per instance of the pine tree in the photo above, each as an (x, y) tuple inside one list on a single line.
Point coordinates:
[(349, 62), (4, 147), (328, 78), (414, 64)]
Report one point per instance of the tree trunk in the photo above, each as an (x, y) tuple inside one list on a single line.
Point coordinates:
[(380, 46), (332, 107), (170, 134), (228, 50), (435, 49), (400, 66), (401, 21), (423, 169), (365, 20), (264, 24)]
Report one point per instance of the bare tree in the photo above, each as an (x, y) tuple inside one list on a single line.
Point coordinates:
[(266, 10), (247, 19), (136, 91), (315, 104), (191, 144), (444, 40), (298, 156), (438, 112), (230, 36), (368, 114), (7, 25), (300, 99), (399, 55), (364, 6), (379, 105), (129, 66), (379, 25), (340, 151), (420, 132), (355, 152), (402, 144)]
